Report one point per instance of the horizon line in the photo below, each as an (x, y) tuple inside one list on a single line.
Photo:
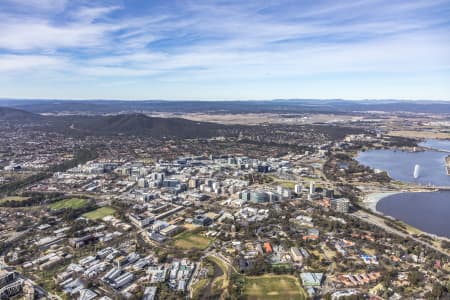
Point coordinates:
[(226, 100)]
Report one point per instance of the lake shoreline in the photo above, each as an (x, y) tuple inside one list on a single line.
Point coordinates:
[(371, 200), (419, 203)]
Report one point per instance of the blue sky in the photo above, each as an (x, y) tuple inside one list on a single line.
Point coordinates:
[(195, 49)]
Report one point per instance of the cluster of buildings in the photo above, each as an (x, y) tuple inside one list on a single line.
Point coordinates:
[(10, 284), (122, 272), (280, 209), (361, 279)]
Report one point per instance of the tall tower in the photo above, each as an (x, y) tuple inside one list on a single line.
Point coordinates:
[(298, 188), (312, 189)]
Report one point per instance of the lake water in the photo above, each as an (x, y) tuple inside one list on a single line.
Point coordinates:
[(430, 211), (400, 165), (443, 145), (427, 211)]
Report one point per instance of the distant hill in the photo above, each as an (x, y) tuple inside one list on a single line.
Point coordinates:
[(142, 125), (18, 115), (128, 124)]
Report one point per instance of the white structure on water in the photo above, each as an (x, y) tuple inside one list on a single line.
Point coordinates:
[(416, 173)]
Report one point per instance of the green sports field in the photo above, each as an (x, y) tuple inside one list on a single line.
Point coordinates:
[(189, 240), (73, 203), (273, 287)]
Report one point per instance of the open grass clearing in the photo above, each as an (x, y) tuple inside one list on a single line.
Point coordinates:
[(420, 134), (288, 184), (219, 283), (189, 240), (273, 287), (198, 287), (411, 229), (99, 213), (282, 266), (221, 280), (14, 198), (73, 203), (220, 263)]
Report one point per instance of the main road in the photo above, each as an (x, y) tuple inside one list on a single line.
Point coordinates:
[(378, 221)]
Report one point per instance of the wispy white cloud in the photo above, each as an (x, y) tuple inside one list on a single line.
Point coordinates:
[(90, 14), (14, 63), (197, 42), (41, 35)]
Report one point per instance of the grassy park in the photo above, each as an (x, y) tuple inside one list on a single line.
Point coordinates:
[(99, 213), (13, 198), (269, 286), (198, 287), (189, 240), (73, 203), (289, 184), (273, 287)]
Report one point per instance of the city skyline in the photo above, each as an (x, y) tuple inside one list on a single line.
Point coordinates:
[(227, 50)]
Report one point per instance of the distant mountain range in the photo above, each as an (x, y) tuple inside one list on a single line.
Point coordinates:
[(13, 115), (271, 106), (124, 124)]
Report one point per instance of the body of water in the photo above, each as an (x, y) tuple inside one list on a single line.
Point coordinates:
[(427, 211), (443, 145), (400, 165)]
